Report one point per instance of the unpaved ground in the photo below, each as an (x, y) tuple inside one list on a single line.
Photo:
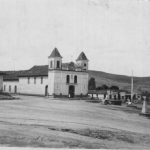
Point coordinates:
[(42, 122)]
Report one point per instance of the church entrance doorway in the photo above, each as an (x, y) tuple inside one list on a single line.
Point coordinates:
[(46, 90), (71, 91)]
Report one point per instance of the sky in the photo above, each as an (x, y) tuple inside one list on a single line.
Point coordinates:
[(114, 34)]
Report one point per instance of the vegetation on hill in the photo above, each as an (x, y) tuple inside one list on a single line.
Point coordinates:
[(122, 81)]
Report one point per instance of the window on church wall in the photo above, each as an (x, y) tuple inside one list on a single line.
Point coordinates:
[(58, 64), (84, 65), (41, 80), (28, 80), (75, 79), (34, 80), (67, 79)]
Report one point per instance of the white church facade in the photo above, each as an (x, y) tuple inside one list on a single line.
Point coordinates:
[(55, 79)]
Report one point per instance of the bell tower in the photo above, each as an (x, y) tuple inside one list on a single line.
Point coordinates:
[(82, 61), (55, 60)]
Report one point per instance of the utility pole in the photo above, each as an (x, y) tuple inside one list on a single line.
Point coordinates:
[(132, 87)]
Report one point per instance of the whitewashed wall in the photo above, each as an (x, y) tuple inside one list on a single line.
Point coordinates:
[(12, 84), (82, 62), (54, 62), (1, 83), (32, 88), (50, 82), (60, 85)]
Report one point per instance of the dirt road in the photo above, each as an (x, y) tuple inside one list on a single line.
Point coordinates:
[(43, 122)]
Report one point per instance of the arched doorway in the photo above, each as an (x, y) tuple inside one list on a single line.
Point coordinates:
[(71, 91), (15, 89), (46, 90)]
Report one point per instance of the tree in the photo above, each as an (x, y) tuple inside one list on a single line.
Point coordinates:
[(105, 87), (113, 87), (92, 84), (99, 88)]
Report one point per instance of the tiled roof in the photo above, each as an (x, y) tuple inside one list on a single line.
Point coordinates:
[(97, 92), (2, 73), (12, 75), (55, 53), (82, 56), (36, 71)]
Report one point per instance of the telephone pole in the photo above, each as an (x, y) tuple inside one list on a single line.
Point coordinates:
[(132, 87)]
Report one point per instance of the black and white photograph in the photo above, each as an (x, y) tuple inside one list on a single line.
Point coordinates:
[(74, 74)]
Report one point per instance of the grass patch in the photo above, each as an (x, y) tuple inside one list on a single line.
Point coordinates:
[(6, 96), (124, 136)]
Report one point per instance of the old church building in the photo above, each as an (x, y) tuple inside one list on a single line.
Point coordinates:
[(55, 79)]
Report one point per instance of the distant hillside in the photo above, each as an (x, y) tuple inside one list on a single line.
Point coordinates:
[(124, 82)]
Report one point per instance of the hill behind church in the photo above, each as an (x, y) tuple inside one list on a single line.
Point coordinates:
[(124, 82)]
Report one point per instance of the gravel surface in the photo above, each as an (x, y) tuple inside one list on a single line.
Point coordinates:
[(44, 122)]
